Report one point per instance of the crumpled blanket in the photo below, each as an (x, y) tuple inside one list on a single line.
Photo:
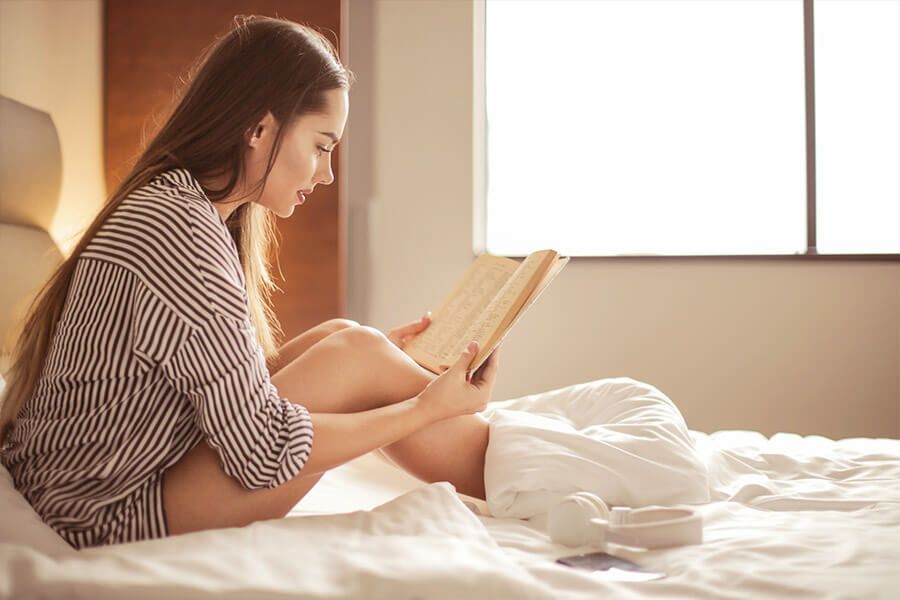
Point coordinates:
[(618, 438), (422, 544)]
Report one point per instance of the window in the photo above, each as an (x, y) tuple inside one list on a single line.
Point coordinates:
[(857, 125), (679, 127)]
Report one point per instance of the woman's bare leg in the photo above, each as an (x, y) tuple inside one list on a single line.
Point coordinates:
[(424, 454), (299, 344), (197, 495), (351, 370), (450, 450)]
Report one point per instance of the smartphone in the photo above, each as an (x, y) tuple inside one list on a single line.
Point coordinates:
[(609, 567)]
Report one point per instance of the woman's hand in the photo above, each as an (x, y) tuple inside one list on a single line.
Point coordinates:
[(403, 335), (456, 391)]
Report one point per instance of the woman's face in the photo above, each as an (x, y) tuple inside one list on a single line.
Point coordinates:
[(304, 159)]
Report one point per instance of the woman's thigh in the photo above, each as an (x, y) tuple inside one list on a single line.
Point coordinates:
[(351, 370), (198, 495)]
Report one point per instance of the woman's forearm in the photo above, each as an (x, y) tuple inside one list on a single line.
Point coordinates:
[(340, 437)]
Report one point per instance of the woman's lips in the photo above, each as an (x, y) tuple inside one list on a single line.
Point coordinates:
[(301, 197)]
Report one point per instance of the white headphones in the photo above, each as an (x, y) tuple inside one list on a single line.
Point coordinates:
[(584, 519)]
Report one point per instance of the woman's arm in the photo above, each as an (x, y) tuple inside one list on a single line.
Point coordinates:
[(340, 437)]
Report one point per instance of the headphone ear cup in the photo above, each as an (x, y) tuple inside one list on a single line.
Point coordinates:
[(570, 521)]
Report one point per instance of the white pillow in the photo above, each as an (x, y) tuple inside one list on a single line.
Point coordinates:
[(19, 523), (618, 438)]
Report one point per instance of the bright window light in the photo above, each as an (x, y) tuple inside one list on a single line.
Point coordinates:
[(649, 126), (857, 126)]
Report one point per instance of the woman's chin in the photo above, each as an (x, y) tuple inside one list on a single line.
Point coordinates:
[(281, 210), (284, 213)]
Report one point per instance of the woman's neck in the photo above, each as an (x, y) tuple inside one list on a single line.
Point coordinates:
[(229, 203)]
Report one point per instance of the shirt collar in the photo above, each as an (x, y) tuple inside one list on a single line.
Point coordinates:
[(183, 178)]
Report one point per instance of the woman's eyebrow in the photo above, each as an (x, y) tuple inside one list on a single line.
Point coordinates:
[(333, 136)]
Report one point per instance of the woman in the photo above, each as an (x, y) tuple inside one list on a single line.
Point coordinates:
[(139, 402)]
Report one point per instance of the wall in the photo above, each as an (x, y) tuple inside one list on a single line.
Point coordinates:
[(808, 347), (50, 58), (772, 346)]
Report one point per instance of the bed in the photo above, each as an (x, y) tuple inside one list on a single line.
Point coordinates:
[(785, 516)]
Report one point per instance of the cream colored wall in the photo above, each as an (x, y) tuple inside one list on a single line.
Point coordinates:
[(809, 347), (50, 58), (772, 346)]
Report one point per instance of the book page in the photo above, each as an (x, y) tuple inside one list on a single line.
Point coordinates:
[(548, 277), (501, 333), (514, 300), (508, 301), (442, 341)]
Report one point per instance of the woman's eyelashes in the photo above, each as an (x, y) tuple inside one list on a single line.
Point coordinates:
[(321, 149)]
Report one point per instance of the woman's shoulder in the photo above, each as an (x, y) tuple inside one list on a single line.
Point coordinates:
[(173, 199), (168, 234), (167, 209)]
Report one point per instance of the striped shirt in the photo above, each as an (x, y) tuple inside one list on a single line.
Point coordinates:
[(154, 352)]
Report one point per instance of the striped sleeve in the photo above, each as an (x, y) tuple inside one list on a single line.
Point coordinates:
[(262, 440)]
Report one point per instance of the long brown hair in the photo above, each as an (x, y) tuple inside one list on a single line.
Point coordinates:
[(262, 64)]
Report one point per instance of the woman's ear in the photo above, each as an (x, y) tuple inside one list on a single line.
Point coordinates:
[(263, 128)]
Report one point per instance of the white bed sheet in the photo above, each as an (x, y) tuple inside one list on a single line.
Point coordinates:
[(791, 517), (381, 554)]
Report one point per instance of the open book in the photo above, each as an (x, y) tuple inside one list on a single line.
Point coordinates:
[(484, 305)]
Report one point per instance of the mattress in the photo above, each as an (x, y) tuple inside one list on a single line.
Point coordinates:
[(788, 517)]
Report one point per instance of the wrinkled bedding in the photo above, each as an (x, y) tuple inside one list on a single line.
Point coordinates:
[(784, 517), (790, 517), (426, 543), (618, 438)]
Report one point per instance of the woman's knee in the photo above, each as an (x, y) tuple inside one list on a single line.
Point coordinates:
[(334, 325), (354, 369), (361, 339), (381, 361), (375, 348)]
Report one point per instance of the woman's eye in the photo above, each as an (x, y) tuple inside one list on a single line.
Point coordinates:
[(321, 150)]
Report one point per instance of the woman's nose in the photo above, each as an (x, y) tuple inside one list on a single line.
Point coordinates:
[(328, 175)]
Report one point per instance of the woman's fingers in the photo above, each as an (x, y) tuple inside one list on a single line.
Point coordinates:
[(465, 357), (404, 331), (488, 369), (401, 335), (414, 327)]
